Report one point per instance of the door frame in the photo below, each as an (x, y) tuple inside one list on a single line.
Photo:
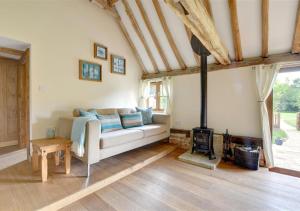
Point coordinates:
[(25, 96)]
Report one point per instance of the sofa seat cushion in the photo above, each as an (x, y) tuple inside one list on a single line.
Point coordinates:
[(119, 137), (151, 130)]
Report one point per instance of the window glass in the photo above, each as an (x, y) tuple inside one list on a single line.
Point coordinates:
[(152, 102), (152, 90)]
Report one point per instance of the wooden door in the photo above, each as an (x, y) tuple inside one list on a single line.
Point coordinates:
[(9, 129)]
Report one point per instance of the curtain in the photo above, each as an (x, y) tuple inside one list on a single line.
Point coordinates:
[(144, 93), (167, 89), (167, 84), (265, 78)]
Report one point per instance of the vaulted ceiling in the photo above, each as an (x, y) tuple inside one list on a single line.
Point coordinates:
[(252, 32)]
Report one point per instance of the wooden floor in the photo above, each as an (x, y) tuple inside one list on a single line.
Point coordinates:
[(169, 184), (21, 189)]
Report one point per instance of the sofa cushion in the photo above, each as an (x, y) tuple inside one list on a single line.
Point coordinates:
[(151, 130), (146, 114), (119, 137), (92, 114), (110, 122), (131, 120)]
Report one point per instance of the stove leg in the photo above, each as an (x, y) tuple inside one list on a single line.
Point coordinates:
[(211, 155)]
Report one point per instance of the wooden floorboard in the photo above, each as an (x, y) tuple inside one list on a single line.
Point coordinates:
[(170, 184), (22, 189)]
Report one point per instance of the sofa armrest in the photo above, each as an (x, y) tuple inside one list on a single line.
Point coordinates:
[(162, 119), (92, 137), (92, 141)]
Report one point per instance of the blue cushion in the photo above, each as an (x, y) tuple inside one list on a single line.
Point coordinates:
[(146, 115), (110, 122), (132, 120), (84, 113)]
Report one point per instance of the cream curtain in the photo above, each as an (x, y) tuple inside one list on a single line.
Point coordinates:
[(167, 86), (144, 93), (265, 78)]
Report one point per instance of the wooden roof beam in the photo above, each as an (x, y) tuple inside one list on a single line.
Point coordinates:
[(235, 30), (208, 8), (200, 23), (265, 28), (107, 5), (168, 34), (189, 32), (139, 33), (296, 40), (285, 59), (153, 35)]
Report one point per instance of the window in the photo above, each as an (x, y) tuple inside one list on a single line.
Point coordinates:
[(157, 98)]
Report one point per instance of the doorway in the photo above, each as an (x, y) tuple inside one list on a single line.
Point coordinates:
[(286, 122), (14, 98)]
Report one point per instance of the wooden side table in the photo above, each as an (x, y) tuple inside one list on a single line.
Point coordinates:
[(42, 147)]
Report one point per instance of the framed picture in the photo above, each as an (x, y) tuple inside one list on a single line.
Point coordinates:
[(118, 64), (100, 51), (90, 71)]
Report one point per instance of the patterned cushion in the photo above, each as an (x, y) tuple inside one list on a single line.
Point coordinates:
[(110, 122), (132, 120), (146, 114)]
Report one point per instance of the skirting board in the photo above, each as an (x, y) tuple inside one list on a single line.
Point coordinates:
[(105, 182), (13, 158), (8, 143)]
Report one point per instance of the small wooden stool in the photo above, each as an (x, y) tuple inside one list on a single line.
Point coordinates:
[(42, 147)]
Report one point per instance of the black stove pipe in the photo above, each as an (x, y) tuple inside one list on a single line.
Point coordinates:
[(203, 119), (204, 53)]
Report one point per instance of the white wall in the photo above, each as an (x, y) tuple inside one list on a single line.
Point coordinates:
[(232, 102), (60, 33)]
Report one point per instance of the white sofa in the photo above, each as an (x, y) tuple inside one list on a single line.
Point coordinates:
[(99, 145)]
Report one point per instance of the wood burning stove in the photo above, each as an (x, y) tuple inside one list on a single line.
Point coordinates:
[(203, 136)]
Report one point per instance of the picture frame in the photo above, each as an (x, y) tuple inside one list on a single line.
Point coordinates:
[(118, 64), (100, 51), (90, 71)]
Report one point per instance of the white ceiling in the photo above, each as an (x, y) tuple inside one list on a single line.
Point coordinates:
[(282, 18)]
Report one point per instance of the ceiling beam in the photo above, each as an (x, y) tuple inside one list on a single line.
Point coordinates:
[(296, 40), (107, 5), (285, 59), (135, 52), (200, 23), (139, 33), (265, 28), (235, 30), (153, 35), (189, 34), (11, 51), (168, 33), (208, 8)]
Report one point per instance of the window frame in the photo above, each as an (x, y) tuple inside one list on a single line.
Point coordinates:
[(157, 85)]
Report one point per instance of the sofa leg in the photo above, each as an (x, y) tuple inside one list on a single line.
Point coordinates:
[(88, 170)]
